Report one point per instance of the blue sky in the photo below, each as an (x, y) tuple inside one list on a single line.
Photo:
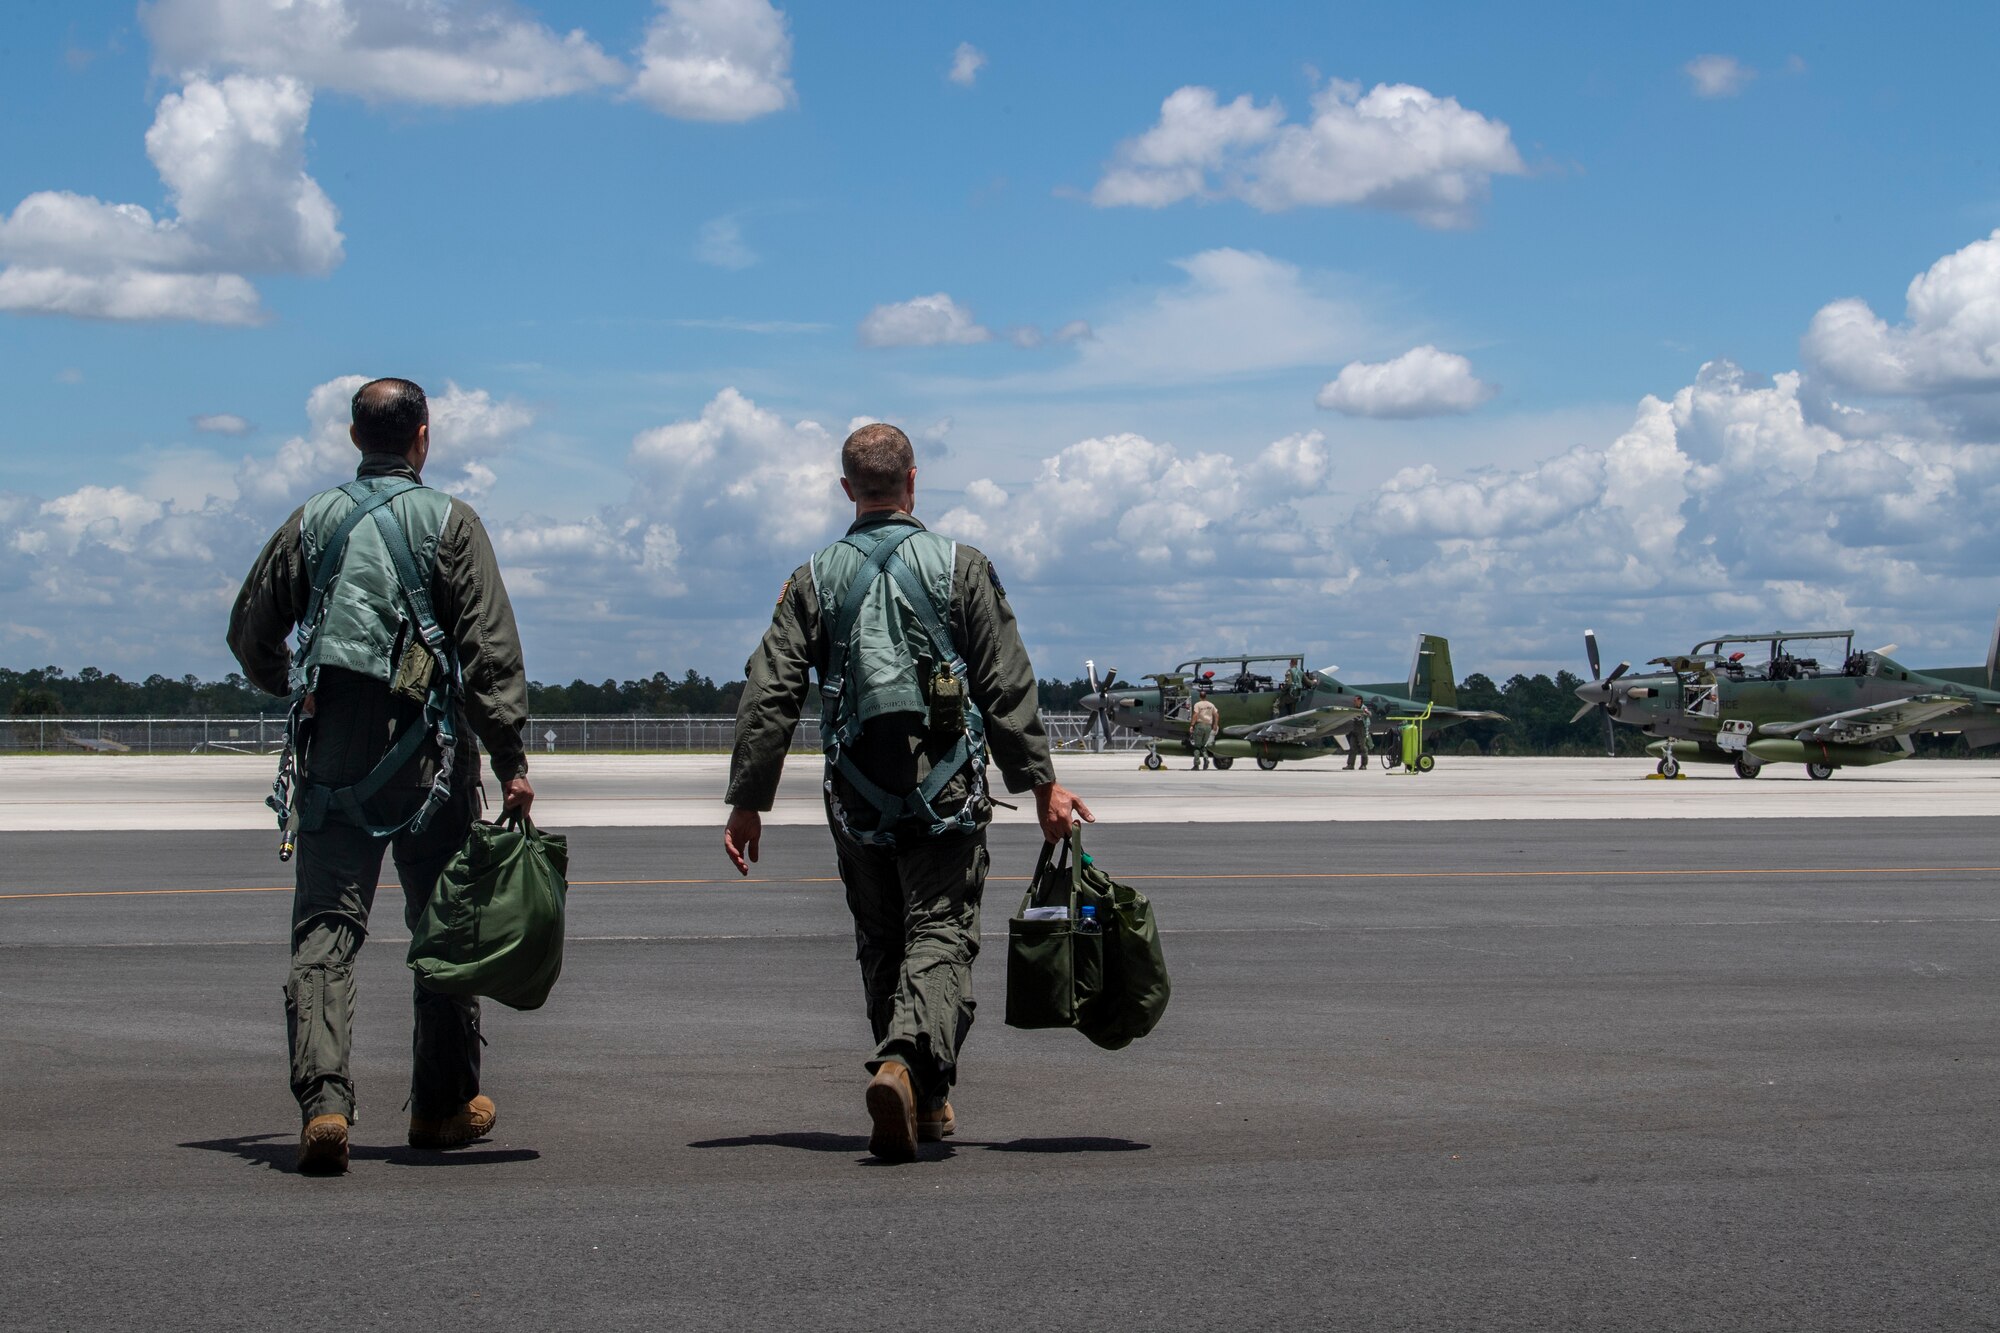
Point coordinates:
[(1297, 326)]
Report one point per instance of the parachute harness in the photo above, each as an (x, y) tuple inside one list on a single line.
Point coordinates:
[(303, 806), (841, 720)]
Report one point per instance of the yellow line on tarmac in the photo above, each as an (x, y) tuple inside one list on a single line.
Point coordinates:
[(1735, 872), (132, 893)]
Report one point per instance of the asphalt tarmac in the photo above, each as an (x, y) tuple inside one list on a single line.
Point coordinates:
[(1493, 1075)]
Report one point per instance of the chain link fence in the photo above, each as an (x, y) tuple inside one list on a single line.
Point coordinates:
[(545, 735)]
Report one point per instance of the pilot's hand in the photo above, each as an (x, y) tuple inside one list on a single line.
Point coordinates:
[(1059, 810), (739, 838), (516, 796)]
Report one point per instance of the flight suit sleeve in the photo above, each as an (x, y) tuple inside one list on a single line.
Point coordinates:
[(1002, 678), (774, 690), (474, 609), (272, 599)]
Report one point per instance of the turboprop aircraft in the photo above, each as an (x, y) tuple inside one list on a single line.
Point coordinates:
[(1272, 708), (1791, 697)]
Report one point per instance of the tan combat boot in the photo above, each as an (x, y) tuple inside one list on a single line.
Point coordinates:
[(934, 1125), (893, 1108), (474, 1120), (323, 1146)]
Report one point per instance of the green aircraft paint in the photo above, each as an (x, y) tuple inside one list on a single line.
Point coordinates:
[(1272, 709), (1792, 697)]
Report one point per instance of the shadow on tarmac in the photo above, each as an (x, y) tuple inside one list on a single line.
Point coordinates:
[(812, 1141), (280, 1151)]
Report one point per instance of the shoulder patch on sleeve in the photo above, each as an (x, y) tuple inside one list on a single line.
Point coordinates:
[(784, 592), (994, 574)]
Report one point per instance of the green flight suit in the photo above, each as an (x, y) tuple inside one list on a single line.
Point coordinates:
[(338, 864), (915, 905)]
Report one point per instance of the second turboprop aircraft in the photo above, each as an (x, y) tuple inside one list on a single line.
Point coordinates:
[(1792, 696)]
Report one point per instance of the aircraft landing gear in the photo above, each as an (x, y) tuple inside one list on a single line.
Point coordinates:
[(1152, 760), (1746, 769), (1819, 772), (1266, 764), (1668, 767), (1223, 763)]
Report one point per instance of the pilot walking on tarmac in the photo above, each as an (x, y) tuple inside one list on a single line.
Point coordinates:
[(407, 648), (921, 671), (1203, 723)]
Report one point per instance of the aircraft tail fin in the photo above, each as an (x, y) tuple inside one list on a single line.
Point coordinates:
[(1993, 656), (1431, 680)]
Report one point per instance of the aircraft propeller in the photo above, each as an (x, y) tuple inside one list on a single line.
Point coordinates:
[(1597, 695), (1098, 704)]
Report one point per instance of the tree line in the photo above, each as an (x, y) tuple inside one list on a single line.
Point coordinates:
[(1538, 708), (52, 692)]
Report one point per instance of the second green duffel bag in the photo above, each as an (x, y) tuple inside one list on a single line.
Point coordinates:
[(494, 925)]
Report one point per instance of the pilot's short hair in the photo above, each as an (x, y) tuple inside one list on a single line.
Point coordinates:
[(387, 413), (875, 459)]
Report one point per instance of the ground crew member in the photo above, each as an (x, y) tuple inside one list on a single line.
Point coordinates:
[(362, 664), (1203, 724), (1357, 738), (913, 859)]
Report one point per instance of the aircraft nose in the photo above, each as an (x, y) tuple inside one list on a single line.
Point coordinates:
[(1593, 693)]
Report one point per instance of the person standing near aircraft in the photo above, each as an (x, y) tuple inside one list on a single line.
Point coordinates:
[(1357, 737), (1203, 724), (406, 640), (921, 670)]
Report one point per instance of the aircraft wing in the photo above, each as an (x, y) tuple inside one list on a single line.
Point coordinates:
[(1468, 714), (1859, 726), (95, 744), (1297, 728)]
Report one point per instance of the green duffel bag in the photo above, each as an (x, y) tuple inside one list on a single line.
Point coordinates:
[(1135, 988), (1110, 984), (494, 924), (1053, 969)]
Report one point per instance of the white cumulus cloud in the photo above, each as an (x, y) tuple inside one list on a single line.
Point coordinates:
[(740, 476), (456, 53), (1158, 512), (966, 62), (1396, 147), (1712, 75), (1422, 382), (923, 321), (232, 156), (723, 60), (1724, 507), (109, 516), (1948, 342)]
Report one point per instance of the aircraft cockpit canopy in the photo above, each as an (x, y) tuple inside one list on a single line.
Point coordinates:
[(1782, 655), (1245, 674)]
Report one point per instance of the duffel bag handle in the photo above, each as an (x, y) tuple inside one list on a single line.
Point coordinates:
[(1059, 854)]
